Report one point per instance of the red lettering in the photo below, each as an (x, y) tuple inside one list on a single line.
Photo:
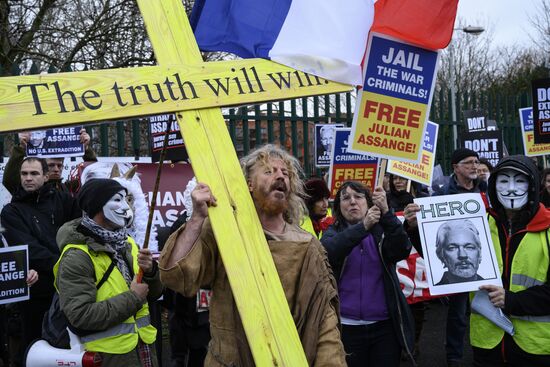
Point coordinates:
[(414, 118), (370, 106), (425, 159), (384, 111), (399, 115), (387, 113)]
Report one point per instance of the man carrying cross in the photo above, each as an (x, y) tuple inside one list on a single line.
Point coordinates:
[(190, 259)]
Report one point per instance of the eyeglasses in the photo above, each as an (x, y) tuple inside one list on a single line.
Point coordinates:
[(470, 163)]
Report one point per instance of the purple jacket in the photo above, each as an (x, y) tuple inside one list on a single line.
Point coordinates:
[(361, 284)]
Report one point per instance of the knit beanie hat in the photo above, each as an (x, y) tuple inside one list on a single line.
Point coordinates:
[(316, 189), (95, 193), (462, 153)]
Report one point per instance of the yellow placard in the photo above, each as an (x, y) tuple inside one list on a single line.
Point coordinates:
[(388, 126), (39, 101), (532, 149), (419, 172), (423, 170)]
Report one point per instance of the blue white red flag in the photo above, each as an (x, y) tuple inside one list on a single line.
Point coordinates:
[(326, 38)]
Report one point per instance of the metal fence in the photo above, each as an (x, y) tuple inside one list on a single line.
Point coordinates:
[(291, 124)]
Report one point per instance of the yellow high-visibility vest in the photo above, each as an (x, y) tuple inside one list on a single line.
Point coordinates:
[(124, 337), (529, 268), (307, 225)]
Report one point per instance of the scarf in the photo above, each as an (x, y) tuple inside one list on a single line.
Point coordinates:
[(114, 240)]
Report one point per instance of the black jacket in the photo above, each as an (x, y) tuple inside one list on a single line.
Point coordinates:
[(454, 188), (11, 179), (33, 219), (533, 217), (393, 245)]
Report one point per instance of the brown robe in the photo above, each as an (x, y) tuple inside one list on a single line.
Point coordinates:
[(307, 280)]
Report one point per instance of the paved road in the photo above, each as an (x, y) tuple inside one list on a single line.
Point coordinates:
[(432, 340)]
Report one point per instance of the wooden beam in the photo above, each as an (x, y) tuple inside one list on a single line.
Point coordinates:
[(40, 101), (258, 293)]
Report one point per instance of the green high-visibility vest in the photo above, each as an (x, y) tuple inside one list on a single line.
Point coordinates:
[(529, 268), (124, 337)]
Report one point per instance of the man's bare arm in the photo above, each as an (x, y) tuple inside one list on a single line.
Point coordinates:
[(202, 199)]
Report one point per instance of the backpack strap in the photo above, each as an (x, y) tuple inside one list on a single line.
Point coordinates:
[(106, 275)]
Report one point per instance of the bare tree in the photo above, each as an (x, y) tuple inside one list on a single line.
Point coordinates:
[(80, 34), (541, 24)]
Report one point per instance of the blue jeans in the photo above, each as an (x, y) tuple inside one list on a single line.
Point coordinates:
[(371, 345), (457, 322)]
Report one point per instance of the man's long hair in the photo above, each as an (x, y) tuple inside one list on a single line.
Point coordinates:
[(296, 206)]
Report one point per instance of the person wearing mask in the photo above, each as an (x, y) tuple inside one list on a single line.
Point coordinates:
[(363, 245), (320, 216), (115, 316), (190, 259), (34, 215), (520, 231)]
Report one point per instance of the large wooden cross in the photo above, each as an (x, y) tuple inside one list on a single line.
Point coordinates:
[(193, 90)]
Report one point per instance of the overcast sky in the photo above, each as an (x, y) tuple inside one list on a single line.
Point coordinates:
[(508, 19)]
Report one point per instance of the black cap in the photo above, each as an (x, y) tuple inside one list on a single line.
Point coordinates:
[(462, 153), (95, 193)]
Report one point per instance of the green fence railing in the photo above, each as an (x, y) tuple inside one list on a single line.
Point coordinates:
[(291, 124)]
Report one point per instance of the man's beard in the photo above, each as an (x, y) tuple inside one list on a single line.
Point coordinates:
[(464, 271), (269, 204)]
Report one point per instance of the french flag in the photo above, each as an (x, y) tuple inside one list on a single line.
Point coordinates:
[(326, 38)]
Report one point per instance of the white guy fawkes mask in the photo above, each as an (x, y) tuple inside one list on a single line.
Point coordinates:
[(512, 189), (117, 210)]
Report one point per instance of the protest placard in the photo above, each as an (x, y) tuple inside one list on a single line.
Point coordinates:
[(14, 266), (475, 120), (422, 171), (411, 273), (456, 243), (55, 143), (175, 149), (541, 110), (487, 144), (324, 141), (530, 148), (391, 115), (172, 184), (347, 166)]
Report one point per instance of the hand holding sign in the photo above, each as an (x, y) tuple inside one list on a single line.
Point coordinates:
[(379, 199), (24, 137), (372, 217), (497, 294), (410, 214), (32, 277), (84, 138), (145, 260)]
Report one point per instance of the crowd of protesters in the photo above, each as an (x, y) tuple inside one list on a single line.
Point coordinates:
[(336, 261)]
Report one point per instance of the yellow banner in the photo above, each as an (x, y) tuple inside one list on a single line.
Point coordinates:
[(39, 101), (388, 126)]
